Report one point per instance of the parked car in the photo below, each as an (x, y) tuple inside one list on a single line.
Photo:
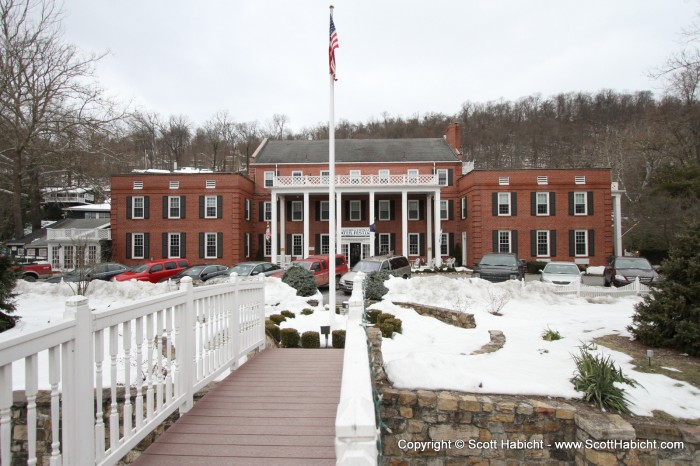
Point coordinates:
[(101, 271), (621, 271), (397, 265), (253, 268), (320, 267), (31, 272), (153, 271), (201, 272), (561, 273), (499, 267)]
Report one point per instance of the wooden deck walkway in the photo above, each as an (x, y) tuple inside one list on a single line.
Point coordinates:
[(277, 409)]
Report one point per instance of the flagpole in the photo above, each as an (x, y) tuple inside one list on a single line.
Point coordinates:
[(331, 202)]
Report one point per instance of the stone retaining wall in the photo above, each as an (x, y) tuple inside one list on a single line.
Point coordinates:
[(458, 319)]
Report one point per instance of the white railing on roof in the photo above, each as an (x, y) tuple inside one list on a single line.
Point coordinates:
[(133, 346), (69, 198), (359, 181), (587, 291), (76, 234)]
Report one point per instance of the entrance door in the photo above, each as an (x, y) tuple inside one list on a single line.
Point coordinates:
[(355, 253)]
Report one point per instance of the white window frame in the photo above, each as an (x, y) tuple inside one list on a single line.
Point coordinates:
[(209, 207), (325, 176), (581, 234), (135, 246), (269, 179), (210, 240), (325, 243), (412, 175), (444, 210), (384, 176), (267, 214), (91, 254), (584, 195), (268, 248), (415, 209), (355, 176), (542, 238), (444, 244), (248, 205), (463, 208), (135, 208), (174, 245), (546, 212), (247, 245), (297, 211), (500, 200), (384, 243), (174, 205), (384, 207), (443, 177), (505, 237), (414, 244), (68, 257), (297, 245), (297, 177), (324, 214), (355, 207)]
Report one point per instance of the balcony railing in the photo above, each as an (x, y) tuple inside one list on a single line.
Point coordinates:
[(77, 234), (359, 181), (69, 198)]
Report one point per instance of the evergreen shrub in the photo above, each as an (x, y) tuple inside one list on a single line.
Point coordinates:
[(338, 338), (289, 338), (301, 280), (310, 340), (374, 284), (277, 318), (288, 314), (273, 330), (307, 312), (372, 315)]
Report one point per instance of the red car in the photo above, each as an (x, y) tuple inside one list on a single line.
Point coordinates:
[(319, 266), (154, 271)]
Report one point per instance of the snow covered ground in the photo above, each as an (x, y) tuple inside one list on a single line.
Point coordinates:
[(433, 355)]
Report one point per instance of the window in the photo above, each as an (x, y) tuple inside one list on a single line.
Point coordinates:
[(55, 258), (542, 180), (445, 244), (247, 245), (503, 204), (267, 215), (355, 211), (542, 203), (413, 176), (581, 242), (463, 208), (174, 185), (297, 211), (297, 177), (384, 243), (504, 241), (247, 209), (325, 244), (413, 244), (580, 179), (442, 177), (355, 176), (324, 214), (580, 204), (504, 180), (173, 206), (173, 244), (137, 207), (210, 207), (543, 243), (68, 257), (297, 245), (268, 248), (138, 185), (210, 184), (91, 254), (137, 246), (384, 210), (383, 176), (444, 210), (269, 179), (413, 210), (210, 245), (325, 176)]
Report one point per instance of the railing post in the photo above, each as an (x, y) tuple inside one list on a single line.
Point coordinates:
[(235, 324), (637, 288), (186, 353), (261, 315), (79, 403)]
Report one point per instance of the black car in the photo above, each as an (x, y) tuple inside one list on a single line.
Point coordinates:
[(499, 267), (202, 272), (621, 271), (101, 271)]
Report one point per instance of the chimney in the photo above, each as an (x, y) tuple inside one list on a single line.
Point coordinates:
[(454, 137)]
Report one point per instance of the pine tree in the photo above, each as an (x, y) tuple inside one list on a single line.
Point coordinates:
[(670, 315), (8, 279)]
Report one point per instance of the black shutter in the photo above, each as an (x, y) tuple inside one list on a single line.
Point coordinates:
[(128, 207), (513, 204), (363, 211), (219, 206), (288, 205), (376, 210), (219, 245), (261, 246), (533, 204), (201, 245), (451, 244), (201, 208), (183, 244), (552, 204), (183, 203), (494, 204), (317, 238), (147, 245), (346, 206), (553, 243), (451, 209), (164, 245), (572, 243), (421, 244), (392, 210), (146, 206), (288, 251), (514, 239), (533, 243), (571, 203), (590, 202), (392, 243), (494, 236), (317, 215), (421, 210), (450, 177), (128, 245), (165, 206), (591, 243)]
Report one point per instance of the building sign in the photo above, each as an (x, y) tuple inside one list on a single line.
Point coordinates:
[(354, 232)]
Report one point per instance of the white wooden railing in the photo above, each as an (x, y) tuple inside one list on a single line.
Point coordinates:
[(82, 198), (362, 180), (587, 291), (133, 346), (70, 234), (356, 431)]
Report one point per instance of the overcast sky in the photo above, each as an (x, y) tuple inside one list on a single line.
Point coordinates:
[(255, 58)]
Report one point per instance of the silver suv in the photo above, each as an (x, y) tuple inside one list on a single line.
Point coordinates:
[(397, 265)]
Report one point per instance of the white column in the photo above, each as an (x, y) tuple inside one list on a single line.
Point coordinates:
[(273, 228), (428, 225), (338, 220), (283, 222), (404, 223), (306, 224), (438, 228), (371, 222), (617, 222)]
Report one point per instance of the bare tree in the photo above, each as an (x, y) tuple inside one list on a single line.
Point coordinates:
[(249, 136), (176, 135)]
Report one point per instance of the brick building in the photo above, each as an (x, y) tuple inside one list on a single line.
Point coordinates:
[(408, 196)]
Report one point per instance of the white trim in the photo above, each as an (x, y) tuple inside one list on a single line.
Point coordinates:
[(143, 208), (503, 233), (170, 207), (585, 203), (415, 202), (172, 236), (414, 240), (548, 253), (358, 204), (387, 203), (585, 242), (206, 245), (299, 212), (207, 207), (499, 204), (546, 204)]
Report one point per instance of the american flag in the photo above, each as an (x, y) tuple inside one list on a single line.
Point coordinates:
[(332, 45)]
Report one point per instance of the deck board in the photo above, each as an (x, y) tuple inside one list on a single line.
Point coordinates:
[(277, 409)]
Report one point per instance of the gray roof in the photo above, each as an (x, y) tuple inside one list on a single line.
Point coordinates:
[(357, 150), (38, 237)]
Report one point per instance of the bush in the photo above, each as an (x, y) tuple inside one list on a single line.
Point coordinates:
[(338, 337), (388, 324), (307, 312), (669, 316), (289, 314), (289, 338), (273, 330), (387, 329), (397, 323), (8, 279), (374, 284), (551, 335), (383, 316), (372, 315), (301, 280), (596, 377), (310, 340), (535, 266), (277, 318)]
